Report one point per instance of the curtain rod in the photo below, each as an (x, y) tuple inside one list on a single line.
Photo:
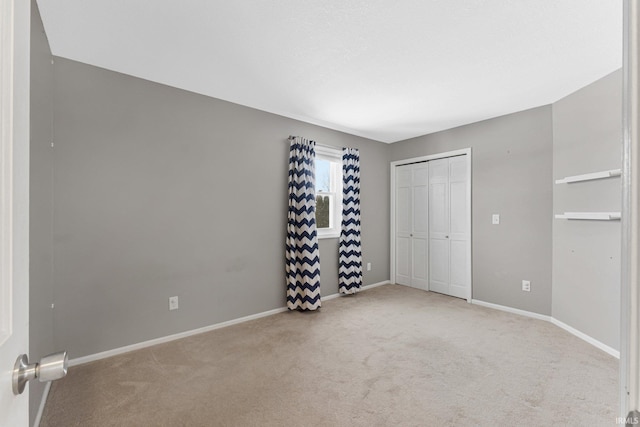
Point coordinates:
[(317, 145)]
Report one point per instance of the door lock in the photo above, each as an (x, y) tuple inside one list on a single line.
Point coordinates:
[(51, 367)]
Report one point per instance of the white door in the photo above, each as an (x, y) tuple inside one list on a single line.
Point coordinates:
[(14, 204), (411, 234), (420, 226), (439, 225), (403, 225), (449, 227), (459, 232)]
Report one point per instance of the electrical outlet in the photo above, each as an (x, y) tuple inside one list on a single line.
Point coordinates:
[(368, 266), (173, 303), (495, 219), (526, 285)]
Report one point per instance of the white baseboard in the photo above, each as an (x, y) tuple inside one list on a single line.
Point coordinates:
[(375, 285), (168, 338), (512, 310), (364, 288), (329, 297), (43, 402), (594, 342)]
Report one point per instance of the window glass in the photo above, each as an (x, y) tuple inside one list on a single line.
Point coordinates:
[(328, 174), (323, 175), (323, 211)]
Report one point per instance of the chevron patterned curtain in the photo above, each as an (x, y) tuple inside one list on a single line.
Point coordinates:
[(303, 255), (350, 269)]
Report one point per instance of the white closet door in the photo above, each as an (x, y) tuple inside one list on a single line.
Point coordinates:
[(420, 226), (403, 225), (448, 227), (412, 227), (439, 225), (459, 276)]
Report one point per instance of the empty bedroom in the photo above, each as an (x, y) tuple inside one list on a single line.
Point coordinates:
[(338, 213)]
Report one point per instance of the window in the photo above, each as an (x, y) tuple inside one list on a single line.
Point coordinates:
[(328, 192)]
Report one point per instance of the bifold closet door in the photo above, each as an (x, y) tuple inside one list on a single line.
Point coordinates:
[(412, 237), (403, 225), (449, 227)]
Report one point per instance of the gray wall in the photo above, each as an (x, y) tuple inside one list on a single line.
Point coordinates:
[(511, 170), (41, 204), (586, 254), (162, 192)]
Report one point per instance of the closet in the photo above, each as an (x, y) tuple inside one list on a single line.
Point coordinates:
[(432, 226)]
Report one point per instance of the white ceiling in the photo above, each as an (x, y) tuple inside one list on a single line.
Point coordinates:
[(383, 69)]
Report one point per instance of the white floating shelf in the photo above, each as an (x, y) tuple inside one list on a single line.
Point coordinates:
[(600, 216), (590, 176)]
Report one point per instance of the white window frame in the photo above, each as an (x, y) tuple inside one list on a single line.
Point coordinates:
[(333, 155)]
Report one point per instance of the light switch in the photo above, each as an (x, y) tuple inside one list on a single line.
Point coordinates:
[(495, 219)]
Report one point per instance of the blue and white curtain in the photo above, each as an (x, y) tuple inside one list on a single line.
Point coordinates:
[(303, 255), (350, 269)]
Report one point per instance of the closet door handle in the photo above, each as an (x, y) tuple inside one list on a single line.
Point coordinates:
[(410, 235), (446, 237)]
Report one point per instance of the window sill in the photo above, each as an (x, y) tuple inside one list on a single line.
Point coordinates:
[(328, 236)]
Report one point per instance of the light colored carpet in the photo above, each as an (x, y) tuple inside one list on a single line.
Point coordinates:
[(389, 356)]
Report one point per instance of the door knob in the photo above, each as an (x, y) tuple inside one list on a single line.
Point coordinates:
[(446, 237), (51, 367)]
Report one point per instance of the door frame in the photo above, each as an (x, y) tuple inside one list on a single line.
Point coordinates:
[(630, 234), (6, 167), (15, 17), (392, 170)]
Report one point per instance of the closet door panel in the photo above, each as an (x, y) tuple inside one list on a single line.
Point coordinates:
[(460, 283), (420, 226), (459, 264), (403, 264), (439, 266), (439, 225), (419, 276), (403, 225), (421, 209), (458, 211), (403, 211), (458, 168)]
